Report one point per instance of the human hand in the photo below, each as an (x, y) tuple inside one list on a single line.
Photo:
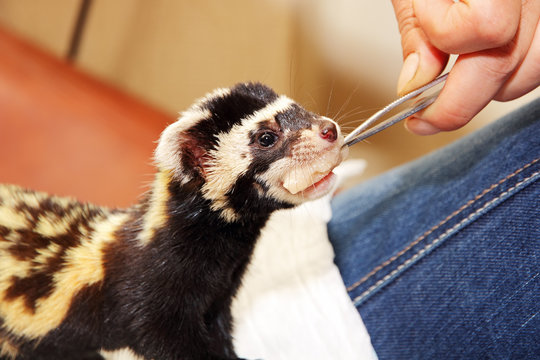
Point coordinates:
[(498, 42)]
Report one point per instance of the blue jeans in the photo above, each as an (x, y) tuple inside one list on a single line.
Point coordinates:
[(442, 256)]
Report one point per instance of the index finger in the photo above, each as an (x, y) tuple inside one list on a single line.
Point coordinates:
[(476, 78), (467, 26)]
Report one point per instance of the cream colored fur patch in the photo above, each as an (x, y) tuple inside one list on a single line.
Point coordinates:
[(83, 267), (52, 225), (230, 161), (14, 196), (157, 215), (232, 157), (8, 349), (13, 219), (282, 103), (121, 354)]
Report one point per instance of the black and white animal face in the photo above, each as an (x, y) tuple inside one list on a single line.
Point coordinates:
[(246, 144)]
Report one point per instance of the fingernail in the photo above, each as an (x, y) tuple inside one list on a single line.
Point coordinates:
[(420, 127), (408, 70)]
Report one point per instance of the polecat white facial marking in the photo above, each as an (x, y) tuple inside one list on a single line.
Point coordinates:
[(159, 277)]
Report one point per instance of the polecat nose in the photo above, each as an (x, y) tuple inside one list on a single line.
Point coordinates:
[(328, 131)]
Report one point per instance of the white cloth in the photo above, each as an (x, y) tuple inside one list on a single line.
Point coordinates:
[(293, 303)]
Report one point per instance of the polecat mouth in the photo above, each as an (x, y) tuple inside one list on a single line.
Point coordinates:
[(321, 187), (312, 179), (311, 186), (323, 180)]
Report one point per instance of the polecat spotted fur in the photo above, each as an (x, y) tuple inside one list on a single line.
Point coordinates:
[(159, 277)]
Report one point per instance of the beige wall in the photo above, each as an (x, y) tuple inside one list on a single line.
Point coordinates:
[(335, 56), (46, 22), (171, 52)]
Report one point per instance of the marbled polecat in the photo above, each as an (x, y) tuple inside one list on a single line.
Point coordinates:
[(159, 277)]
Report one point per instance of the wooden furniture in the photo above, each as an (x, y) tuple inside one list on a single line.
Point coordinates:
[(64, 132)]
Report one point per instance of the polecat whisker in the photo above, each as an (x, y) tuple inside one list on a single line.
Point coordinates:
[(158, 278)]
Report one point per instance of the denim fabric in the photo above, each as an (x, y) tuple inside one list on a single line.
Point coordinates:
[(442, 256)]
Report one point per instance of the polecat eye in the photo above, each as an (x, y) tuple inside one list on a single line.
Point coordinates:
[(267, 139)]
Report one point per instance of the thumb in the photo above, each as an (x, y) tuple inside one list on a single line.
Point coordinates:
[(422, 61)]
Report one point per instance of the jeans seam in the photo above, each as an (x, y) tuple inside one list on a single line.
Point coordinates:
[(359, 299), (434, 228)]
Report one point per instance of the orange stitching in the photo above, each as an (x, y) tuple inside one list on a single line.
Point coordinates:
[(428, 247), (423, 236)]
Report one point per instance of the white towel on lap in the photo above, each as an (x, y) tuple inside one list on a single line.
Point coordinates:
[(293, 303)]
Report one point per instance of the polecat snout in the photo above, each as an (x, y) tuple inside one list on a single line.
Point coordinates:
[(159, 277)]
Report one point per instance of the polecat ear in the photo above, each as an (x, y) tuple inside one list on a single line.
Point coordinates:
[(180, 152), (194, 156)]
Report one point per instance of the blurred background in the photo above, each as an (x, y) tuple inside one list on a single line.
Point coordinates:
[(86, 86)]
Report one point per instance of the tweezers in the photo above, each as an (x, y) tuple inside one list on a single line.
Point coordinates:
[(363, 131)]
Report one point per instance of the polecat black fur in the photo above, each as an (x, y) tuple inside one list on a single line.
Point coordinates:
[(159, 277)]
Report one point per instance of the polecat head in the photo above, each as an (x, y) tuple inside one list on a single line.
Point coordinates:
[(246, 147)]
